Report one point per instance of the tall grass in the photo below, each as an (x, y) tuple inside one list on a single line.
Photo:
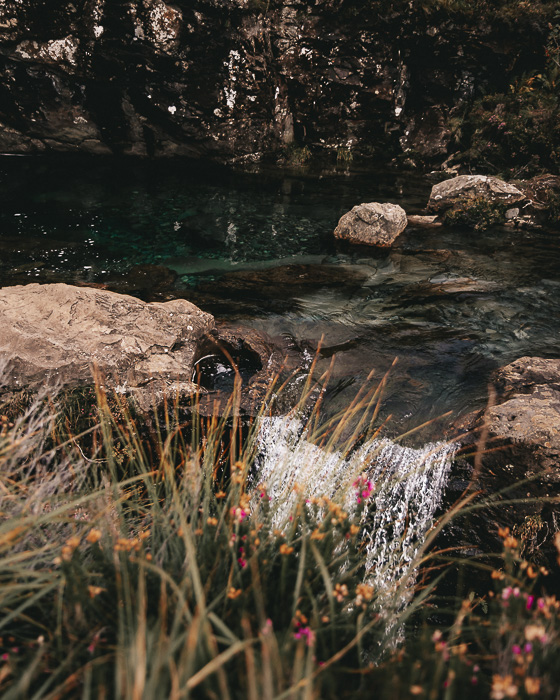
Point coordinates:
[(143, 557)]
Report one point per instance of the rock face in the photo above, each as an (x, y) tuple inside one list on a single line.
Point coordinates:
[(54, 334), (372, 224), (527, 419), (237, 78), (457, 190)]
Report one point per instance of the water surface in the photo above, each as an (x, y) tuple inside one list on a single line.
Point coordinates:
[(257, 248)]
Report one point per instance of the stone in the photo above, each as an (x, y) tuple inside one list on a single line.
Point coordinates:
[(424, 221), (372, 224), (526, 419), (460, 189), (57, 334)]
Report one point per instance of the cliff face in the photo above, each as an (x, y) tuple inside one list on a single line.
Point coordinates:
[(238, 78)]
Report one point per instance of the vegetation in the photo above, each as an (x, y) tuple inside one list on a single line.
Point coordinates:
[(478, 213), (146, 560)]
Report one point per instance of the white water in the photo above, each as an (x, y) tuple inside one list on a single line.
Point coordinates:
[(408, 488)]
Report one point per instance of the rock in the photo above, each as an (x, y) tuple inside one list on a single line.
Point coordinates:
[(457, 190), (372, 224), (521, 376), (234, 79), (427, 135), (525, 422), (424, 221), (56, 334)]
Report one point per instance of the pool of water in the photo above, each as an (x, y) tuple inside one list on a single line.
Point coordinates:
[(257, 248)]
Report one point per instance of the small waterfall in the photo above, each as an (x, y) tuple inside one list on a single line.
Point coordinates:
[(407, 488)]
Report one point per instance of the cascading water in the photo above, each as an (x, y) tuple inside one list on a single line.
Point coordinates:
[(407, 486)]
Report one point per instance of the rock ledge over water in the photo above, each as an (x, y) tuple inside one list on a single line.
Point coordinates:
[(55, 334)]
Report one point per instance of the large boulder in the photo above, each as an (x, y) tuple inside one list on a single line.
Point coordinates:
[(372, 224), (460, 189), (55, 335), (523, 425)]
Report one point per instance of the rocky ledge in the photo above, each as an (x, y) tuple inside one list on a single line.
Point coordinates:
[(61, 336)]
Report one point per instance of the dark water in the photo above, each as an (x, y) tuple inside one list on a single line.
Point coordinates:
[(258, 248)]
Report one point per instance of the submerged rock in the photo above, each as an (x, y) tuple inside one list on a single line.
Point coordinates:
[(372, 224), (56, 334), (462, 188)]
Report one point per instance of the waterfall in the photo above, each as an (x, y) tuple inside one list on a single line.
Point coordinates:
[(407, 488)]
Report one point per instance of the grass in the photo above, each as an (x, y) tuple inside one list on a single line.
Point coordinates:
[(144, 558)]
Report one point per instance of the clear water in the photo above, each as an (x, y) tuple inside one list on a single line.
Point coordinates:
[(257, 248)]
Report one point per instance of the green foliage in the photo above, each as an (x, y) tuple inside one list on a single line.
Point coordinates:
[(479, 213)]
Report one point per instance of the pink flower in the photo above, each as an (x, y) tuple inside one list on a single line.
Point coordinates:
[(364, 488), (528, 648), (530, 601), (540, 603), (507, 592), (305, 633), (516, 649)]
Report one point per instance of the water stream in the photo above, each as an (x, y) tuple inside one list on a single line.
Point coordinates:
[(401, 488), (257, 249)]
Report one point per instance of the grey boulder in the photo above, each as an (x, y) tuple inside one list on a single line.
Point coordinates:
[(459, 189), (372, 224)]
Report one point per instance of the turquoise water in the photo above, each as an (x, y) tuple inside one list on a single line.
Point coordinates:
[(257, 249)]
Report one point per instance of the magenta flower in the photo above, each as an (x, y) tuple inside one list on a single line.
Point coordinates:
[(530, 601), (516, 649), (364, 488)]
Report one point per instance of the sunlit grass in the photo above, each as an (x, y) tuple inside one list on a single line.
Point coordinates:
[(145, 558)]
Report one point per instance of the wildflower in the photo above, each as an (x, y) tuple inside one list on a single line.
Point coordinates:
[(506, 592), (221, 494), (498, 575), (516, 649), (532, 685), (364, 488), (531, 573), (510, 542), (530, 601), (317, 534), (212, 521), (354, 529), (364, 592), (340, 592), (533, 632), (436, 636), (93, 536), (416, 690), (95, 591), (305, 633), (503, 687), (199, 531), (285, 549), (239, 514), (233, 593), (241, 558)]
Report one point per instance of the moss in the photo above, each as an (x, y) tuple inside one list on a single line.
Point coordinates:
[(478, 213)]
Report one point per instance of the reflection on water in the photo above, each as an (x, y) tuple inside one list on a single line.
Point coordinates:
[(451, 304)]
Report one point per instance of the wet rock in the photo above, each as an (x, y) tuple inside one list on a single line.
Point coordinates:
[(424, 221), (237, 79), (524, 423), (372, 224), (56, 334), (458, 190), (427, 135)]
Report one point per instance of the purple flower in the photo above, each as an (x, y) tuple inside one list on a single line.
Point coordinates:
[(530, 601), (516, 649)]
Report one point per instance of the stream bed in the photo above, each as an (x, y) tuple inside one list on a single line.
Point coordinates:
[(256, 248)]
